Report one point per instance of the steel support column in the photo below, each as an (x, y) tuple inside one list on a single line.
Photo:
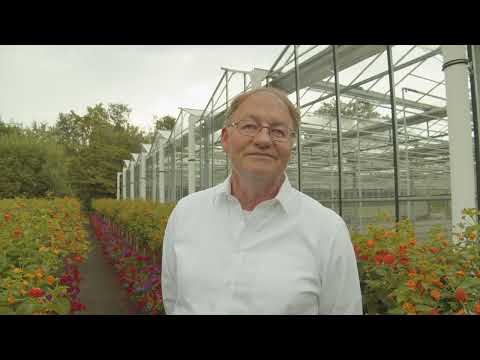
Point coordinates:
[(391, 79), (459, 130)]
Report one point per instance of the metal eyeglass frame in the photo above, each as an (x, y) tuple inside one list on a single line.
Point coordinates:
[(291, 132)]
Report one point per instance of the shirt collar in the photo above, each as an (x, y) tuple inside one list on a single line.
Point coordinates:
[(284, 196)]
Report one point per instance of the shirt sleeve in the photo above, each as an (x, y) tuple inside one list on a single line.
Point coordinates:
[(341, 294), (169, 281)]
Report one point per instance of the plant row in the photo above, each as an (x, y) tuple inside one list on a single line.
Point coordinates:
[(138, 274), (145, 221)]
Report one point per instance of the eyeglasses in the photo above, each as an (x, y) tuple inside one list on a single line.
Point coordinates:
[(278, 133)]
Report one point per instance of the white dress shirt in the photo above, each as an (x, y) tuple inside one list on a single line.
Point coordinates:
[(290, 255)]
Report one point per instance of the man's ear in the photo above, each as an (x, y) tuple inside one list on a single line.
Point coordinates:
[(224, 138)]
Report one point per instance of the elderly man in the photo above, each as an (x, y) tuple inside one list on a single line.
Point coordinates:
[(254, 244)]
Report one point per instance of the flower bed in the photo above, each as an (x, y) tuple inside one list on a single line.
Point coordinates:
[(401, 274), (138, 274), (42, 243), (142, 222)]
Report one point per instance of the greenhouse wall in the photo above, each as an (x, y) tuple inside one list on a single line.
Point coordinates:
[(373, 139)]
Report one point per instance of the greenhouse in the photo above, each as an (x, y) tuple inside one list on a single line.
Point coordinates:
[(383, 129)]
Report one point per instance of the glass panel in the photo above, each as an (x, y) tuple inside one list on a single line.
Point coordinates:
[(318, 132), (423, 141), (368, 176)]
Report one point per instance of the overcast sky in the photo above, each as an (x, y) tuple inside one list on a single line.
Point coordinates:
[(38, 82)]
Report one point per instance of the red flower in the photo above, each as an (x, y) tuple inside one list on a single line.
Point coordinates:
[(76, 306), (404, 260), (434, 312), (389, 259), (7, 217), (402, 249), (420, 287), (356, 248), (17, 233), (378, 259), (434, 250), (363, 257), (460, 295), (35, 292)]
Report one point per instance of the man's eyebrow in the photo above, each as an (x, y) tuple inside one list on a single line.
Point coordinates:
[(255, 118)]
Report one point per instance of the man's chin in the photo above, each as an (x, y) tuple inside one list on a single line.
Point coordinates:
[(259, 173)]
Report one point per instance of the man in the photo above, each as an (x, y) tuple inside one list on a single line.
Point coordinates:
[(254, 244)]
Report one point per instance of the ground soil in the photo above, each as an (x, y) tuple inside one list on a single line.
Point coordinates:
[(100, 290)]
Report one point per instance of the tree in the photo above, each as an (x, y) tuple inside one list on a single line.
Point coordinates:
[(32, 166), (80, 155), (357, 108), (97, 144), (164, 123)]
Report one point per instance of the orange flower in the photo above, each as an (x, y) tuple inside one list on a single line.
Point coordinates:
[(402, 249), (370, 243), (477, 274), (39, 273), (411, 284), (435, 294), (477, 308), (460, 273), (7, 217), (413, 241), (50, 279), (388, 234), (460, 312), (434, 250), (409, 308), (460, 295), (437, 283)]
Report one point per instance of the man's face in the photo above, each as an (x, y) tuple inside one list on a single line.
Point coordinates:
[(258, 157)]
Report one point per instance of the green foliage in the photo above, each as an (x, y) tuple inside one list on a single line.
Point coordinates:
[(357, 108), (78, 156), (97, 143), (164, 123), (32, 166)]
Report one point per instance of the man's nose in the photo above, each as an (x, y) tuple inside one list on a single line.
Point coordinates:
[(263, 137)]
